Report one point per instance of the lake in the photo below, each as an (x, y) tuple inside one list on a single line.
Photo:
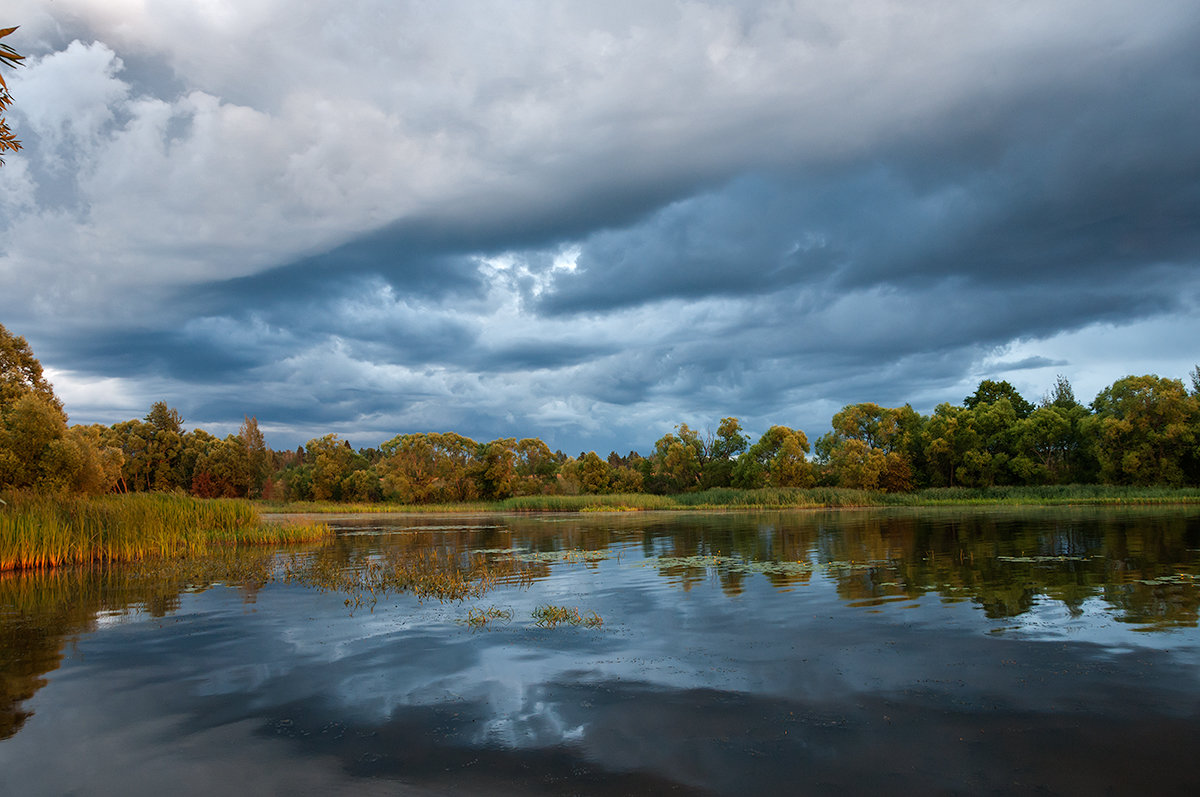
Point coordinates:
[(931, 651)]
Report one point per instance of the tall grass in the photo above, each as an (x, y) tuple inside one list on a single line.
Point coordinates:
[(369, 508), (782, 498), (1054, 494), (833, 497), (586, 503), (43, 531), (778, 498)]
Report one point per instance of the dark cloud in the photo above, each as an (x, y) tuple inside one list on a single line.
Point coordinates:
[(415, 265), (609, 224)]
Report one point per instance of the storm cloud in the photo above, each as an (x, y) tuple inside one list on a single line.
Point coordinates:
[(590, 222)]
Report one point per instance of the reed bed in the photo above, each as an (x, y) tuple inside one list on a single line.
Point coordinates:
[(371, 508), (49, 531), (619, 502), (1059, 494), (427, 574), (550, 616), (779, 498), (484, 618)]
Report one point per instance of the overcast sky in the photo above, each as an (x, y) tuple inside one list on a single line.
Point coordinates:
[(588, 222)]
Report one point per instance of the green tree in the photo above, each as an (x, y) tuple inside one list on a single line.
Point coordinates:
[(1054, 445), (256, 453), (37, 450), (223, 471), (1147, 430), (868, 447), (427, 468), (21, 373), (778, 459), (950, 435), (989, 392), (28, 429), (332, 461), (722, 452), (989, 462), (362, 486), (153, 450), (595, 476), (495, 469), (536, 468), (678, 461), (1061, 395)]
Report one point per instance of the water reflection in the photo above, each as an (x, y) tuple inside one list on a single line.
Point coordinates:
[(808, 640), (1141, 562), (41, 609)]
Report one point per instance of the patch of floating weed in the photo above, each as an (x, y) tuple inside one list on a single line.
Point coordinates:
[(1172, 578), (574, 555), (231, 568), (482, 618), (731, 564), (551, 616), (426, 574), (1046, 559)]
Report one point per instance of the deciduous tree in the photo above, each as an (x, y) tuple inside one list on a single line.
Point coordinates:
[(1147, 428), (778, 459)]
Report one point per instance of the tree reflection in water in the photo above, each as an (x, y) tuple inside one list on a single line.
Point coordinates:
[(1142, 563)]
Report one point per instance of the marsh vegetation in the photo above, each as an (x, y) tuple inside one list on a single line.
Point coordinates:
[(38, 531)]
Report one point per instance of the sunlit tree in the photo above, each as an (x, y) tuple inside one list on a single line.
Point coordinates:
[(1148, 428), (869, 447), (778, 459)]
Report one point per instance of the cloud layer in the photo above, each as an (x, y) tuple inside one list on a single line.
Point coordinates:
[(589, 223)]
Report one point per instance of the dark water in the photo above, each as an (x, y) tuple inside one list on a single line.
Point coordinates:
[(922, 651)]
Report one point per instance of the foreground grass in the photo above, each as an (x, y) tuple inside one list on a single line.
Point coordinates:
[(781, 498), (40, 531)]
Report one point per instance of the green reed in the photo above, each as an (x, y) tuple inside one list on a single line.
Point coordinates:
[(47, 531), (587, 503), (549, 616), (427, 574), (776, 498), (482, 618)]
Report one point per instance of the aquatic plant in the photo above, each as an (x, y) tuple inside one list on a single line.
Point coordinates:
[(622, 502), (48, 531), (549, 616), (481, 618), (425, 573)]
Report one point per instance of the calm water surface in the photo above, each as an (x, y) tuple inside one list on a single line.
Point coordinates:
[(935, 651)]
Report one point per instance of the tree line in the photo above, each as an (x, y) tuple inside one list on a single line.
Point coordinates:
[(1141, 430)]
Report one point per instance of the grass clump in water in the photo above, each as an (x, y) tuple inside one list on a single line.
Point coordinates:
[(551, 616), (482, 618), (424, 573), (618, 502), (44, 531)]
